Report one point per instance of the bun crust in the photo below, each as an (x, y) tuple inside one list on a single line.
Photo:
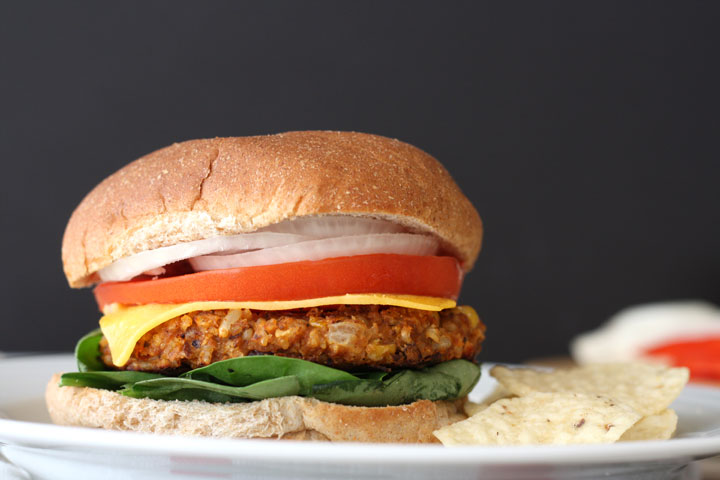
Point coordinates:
[(223, 186), (296, 418)]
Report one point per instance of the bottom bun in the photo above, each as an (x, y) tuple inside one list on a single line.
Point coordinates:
[(296, 418)]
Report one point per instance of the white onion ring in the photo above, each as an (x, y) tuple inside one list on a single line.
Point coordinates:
[(329, 226), (155, 272), (285, 233), (130, 267), (398, 243)]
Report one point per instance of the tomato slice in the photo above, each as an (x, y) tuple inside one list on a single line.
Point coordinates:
[(380, 273), (701, 356)]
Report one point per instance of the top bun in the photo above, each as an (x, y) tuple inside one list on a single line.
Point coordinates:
[(224, 186)]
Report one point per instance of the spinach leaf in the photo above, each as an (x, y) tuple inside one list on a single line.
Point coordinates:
[(466, 373), (93, 372), (245, 371), (375, 375), (105, 380), (267, 376), (87, 352), (445, 381), (169, 388)]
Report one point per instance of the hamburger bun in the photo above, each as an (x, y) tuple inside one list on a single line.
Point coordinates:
[(223, 186), (296, 418), (413, 364)]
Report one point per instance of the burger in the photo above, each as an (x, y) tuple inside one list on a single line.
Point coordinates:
[(299, 286)]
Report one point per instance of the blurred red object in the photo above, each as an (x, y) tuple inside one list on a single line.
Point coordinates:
[(701, 356)]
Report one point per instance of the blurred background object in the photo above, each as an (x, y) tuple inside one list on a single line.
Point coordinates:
[(683, 334), (585, 133)]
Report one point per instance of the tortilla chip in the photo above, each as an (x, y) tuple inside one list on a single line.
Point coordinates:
[(471, 408), (500, 392), (543, 418), (655, 427), (649, 389)]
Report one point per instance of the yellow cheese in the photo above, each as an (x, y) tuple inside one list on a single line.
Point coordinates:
[(124, 326)]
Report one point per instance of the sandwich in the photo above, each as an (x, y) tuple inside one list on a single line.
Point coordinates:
[(299, 286)]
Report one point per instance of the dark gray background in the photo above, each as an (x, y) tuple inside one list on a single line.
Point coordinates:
[(585, 133)]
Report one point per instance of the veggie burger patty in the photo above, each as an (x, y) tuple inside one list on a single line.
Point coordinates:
[(343, 336)]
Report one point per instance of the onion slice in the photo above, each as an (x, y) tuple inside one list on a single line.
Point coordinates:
[(129, 267), (286, 233), (328, 226), (394, 243)]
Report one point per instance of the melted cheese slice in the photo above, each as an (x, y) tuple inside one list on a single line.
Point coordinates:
[(124, 326)]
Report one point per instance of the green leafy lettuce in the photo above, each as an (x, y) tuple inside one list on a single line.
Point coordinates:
[(266, 376)]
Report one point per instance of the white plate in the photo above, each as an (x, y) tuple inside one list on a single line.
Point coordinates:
[(48, 451)]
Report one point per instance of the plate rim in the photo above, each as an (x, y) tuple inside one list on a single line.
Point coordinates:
[(27, 434)]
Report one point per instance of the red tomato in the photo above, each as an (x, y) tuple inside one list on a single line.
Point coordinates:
[(702, 357), (380, 273)]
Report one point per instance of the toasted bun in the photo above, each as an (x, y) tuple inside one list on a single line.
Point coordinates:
[(223, 186), (295, 418)]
